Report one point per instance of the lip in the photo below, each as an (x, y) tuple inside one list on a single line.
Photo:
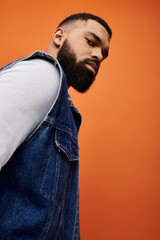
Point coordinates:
[(93, 67)]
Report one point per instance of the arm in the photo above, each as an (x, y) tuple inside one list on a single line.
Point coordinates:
[(27, 91)]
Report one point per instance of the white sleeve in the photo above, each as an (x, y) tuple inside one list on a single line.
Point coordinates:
[(28, 89)]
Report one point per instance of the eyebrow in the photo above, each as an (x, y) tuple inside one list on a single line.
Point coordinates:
[(95, 36), (99, 40)]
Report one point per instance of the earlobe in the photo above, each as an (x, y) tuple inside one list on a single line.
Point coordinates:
[(58, 37)]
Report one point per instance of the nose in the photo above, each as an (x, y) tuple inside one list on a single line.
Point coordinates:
[(97, 54)]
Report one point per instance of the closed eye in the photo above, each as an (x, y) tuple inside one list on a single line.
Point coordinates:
[(90, 42)]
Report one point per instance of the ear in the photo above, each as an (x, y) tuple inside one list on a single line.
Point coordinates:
[(58, 37)]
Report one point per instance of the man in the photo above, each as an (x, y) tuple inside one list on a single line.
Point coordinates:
[(39, 131)]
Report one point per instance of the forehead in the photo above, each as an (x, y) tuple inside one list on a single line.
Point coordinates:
[(81, 27)]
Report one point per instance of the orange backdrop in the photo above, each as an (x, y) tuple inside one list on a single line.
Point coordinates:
[(119, 138)]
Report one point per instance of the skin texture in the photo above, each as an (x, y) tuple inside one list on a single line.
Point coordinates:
[(88, 40)]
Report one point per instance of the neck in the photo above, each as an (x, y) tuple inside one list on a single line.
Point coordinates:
[(51, 50)]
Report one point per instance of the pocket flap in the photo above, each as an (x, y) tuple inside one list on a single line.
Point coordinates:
[(67, 144)]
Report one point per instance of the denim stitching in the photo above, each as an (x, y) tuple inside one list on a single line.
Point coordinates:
[(61, 128), (60, 204), (61, 218), (71, 156), (57, 177), (75, 224), (45, 177), (50, 217), (66, 131)]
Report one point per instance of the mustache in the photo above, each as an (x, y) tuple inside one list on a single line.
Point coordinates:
[(87, 60)]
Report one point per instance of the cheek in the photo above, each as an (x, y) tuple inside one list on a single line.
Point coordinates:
[(82, 53), (80, 48)]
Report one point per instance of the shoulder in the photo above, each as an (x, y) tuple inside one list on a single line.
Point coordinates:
[(37, 67), (31, 73)]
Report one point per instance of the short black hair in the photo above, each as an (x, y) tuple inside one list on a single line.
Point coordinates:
[(85, 17)]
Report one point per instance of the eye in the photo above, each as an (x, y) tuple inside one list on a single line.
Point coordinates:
[(90, 42)]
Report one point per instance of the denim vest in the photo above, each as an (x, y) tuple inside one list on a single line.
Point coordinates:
[(39, 193)]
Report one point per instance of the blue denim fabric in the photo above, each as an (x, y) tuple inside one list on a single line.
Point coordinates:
[(39, 185)]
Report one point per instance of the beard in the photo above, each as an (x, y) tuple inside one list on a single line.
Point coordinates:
[(77, 74)]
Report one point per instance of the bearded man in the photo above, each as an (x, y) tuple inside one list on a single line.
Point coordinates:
[(39, 153)]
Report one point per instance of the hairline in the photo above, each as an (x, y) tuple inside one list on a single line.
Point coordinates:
[(73, 26), (68, 21)]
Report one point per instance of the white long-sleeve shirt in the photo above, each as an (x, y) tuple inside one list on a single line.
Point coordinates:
[(28, 89)]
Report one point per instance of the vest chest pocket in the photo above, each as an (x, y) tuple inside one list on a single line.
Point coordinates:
[(64, 157), (67, 144)]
